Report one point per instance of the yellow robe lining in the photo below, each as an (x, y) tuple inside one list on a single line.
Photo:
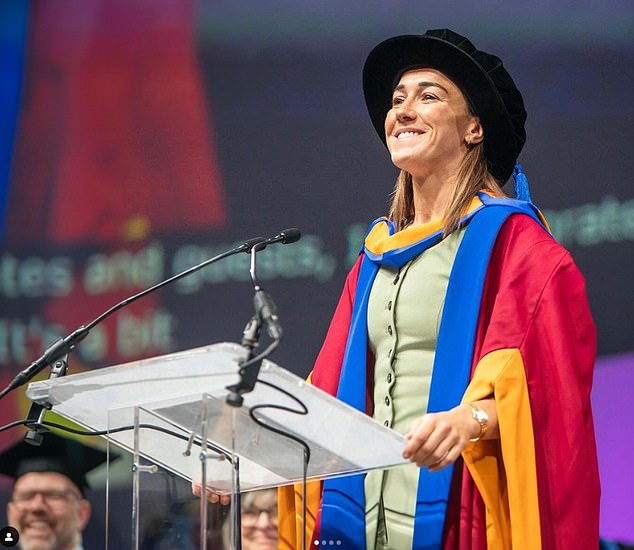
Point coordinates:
[(504, 469)]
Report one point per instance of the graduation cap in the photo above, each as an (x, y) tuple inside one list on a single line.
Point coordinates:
[(58, 454)]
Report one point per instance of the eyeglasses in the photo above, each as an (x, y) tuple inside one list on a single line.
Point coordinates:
[(52, 497), (251, 515)]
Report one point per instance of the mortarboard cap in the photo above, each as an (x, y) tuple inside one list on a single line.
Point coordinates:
[(58, 454)]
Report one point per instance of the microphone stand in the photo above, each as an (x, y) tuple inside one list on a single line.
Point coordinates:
[(64, 346), (249, 370), (265, 314), (58, 353)]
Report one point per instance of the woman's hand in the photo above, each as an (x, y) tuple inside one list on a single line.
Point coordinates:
[(436, 440), (211, 496)]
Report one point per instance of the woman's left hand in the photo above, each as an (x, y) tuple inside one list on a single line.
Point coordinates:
[(436, 440)]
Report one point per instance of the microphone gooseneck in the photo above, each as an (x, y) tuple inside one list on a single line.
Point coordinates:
[(64, 346)]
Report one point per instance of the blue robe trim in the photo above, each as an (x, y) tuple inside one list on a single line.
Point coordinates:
[(343, 503)]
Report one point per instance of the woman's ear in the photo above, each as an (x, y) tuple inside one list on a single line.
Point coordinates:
[(475, 132)]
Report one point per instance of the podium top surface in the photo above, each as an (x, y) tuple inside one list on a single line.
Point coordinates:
[(153, 406)]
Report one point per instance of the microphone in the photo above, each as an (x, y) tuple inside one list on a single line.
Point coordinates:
[(287, 236), (264, 306), (64, 346), (265, 313)]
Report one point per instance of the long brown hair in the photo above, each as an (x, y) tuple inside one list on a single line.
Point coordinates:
[(473, 176)]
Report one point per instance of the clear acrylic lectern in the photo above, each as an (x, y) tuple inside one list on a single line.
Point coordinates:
[(171, 413)]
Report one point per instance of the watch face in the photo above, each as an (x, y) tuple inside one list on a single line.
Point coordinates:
[(481, 418)]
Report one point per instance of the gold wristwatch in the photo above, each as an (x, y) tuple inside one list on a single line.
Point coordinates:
[(481, 418)]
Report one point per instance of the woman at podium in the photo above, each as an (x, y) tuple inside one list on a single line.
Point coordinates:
[(463, 325)]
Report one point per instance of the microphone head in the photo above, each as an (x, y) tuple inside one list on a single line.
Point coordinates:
[(290, 235)]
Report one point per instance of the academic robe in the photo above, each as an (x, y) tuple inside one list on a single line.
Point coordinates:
[(537, 486)]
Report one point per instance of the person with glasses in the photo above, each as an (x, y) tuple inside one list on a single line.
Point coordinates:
[(258, 521), (48, 507)]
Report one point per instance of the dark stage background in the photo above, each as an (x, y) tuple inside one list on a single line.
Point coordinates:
[(140, 138)]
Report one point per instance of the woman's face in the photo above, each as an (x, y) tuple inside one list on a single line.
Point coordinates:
[(259, 522), (428, 128)]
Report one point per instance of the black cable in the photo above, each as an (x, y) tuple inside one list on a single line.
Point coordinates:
[(113, 430), (28, 422), (306, 448), (260, 356), (16, 424)]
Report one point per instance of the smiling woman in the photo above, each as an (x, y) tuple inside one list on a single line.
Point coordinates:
[(463, 325), (429, 130)]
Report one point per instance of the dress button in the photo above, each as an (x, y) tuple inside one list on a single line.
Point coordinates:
[(387, 400), (389, 305), (389, 377), (386, 423), (398, 275), (389, 330), (389, 353)]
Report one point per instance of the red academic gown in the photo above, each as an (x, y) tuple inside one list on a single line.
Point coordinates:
[(538, 485)]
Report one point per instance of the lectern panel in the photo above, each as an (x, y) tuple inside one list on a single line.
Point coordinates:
[(179, 404)]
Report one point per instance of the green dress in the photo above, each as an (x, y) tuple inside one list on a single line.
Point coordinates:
[(404, 312)]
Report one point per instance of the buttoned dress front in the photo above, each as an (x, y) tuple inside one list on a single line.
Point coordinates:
[(404, 313)]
